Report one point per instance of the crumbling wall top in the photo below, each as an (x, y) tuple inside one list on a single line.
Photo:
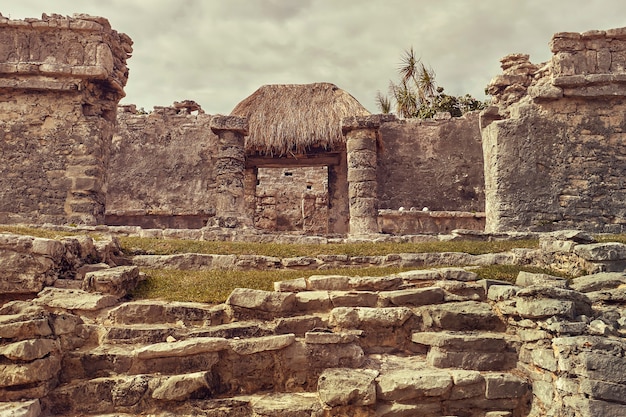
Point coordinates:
[(590, 64), (58, 52)]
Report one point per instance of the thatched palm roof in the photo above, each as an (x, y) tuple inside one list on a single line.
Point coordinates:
[(294, 118)]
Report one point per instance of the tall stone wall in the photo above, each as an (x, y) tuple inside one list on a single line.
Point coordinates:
[(431, 163), (162, 169), (60, 81), (555, 145)]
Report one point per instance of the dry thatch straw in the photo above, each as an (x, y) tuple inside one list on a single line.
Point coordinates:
[(295, 118)]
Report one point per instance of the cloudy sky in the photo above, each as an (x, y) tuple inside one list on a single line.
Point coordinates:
[(217, 52)]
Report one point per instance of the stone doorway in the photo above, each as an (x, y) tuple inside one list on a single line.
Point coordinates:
[(292, 199)]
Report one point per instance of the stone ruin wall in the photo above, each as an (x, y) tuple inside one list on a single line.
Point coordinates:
[(555, 145), (431, 163), (60, 81), (292, 199), (162, 168)]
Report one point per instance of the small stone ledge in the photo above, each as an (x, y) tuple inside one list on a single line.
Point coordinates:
[(365, 122), (230, 123)]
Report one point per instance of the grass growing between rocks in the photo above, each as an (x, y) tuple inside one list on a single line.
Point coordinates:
[(215, 286), (136, 246), (36, 232), (619, 238)]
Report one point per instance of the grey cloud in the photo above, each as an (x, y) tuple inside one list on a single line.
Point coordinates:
[(217, 52)]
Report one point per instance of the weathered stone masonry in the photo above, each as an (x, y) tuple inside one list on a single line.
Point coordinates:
[(557, 157), (60, 81), (162, 168)]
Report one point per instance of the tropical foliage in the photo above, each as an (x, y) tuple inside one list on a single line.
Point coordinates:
[(417, 94)]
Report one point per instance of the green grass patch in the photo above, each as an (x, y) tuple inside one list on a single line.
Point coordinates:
[(214, 286), (36, 232), (619, 238), (151, 246)]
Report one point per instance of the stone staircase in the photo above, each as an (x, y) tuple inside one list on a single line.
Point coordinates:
[(425, 343), (435, 342)]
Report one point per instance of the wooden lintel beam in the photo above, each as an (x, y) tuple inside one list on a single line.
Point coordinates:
[(299, 161)]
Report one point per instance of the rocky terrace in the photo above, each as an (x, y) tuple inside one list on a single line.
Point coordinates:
[(427, 342)]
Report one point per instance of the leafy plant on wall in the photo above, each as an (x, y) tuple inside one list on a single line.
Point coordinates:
[(416, 94)]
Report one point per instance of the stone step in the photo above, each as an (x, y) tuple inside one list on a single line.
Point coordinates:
[(403, 280), (155, 311), (480, 351), (382, 385), (245, 364), (461, 316)]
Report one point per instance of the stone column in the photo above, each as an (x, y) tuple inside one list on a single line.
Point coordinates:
[(361, 133), (230, 205)]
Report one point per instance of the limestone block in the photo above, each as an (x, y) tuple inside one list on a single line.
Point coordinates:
[(396, 409), (603, 367), (328, 282), (501, 292), (313, 301), (130, 390), (74, 299), (156, 311), (465, 315), (232, 123), (29, 350), (180, 387), (414, 296), (371, 318), (362, 174), (462, 291), (288, 405), (342, 355), (262, 300), (353, 298), (327, 338), (457, 274), (470, 360), (596, 252), (24, 272), (117, 281), (544, 358), (475, 341), (504, 386), (27, 408), (525, 279), (603, 408), (345, 386), (294, 285), (18, 327), (600, 281), (602, 390), (404, 384), (250, 346), (29, 373), (375, 283), (467, 384), (182, 348), (544, 307), (420, 275)]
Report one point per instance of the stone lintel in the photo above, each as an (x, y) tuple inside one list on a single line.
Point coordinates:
[(365, 122), (232, 123)]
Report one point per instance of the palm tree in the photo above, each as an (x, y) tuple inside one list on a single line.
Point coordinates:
[(417, 94)]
